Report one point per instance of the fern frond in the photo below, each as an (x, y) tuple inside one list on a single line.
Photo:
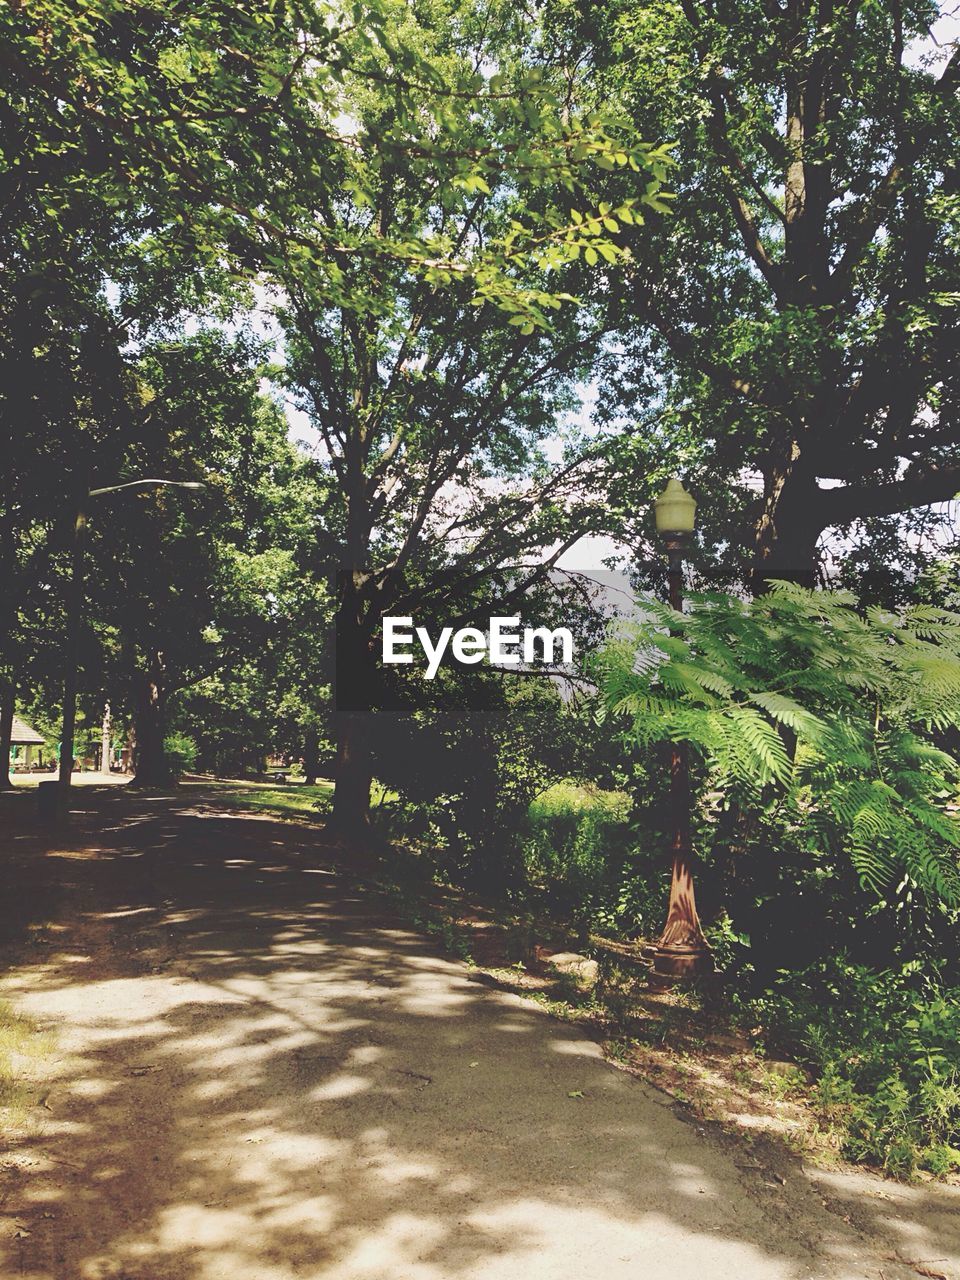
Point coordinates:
[(788, 712)]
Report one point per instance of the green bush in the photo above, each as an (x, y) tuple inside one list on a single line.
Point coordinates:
[(830, 853), (180, 752), (465, 808), (820, 780), (886, 1049), (814, 728), (566, 800), (580, 853)]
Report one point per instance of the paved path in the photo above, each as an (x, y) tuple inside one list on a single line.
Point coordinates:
[(263, 1075)]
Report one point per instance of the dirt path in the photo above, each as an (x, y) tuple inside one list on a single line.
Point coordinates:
[(263, 1075)]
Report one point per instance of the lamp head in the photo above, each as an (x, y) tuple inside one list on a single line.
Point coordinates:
[(675, 510)]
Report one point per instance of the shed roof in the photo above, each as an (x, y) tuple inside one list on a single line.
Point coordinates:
[(24, 736)]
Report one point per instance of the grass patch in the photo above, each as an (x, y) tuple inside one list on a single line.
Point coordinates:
[(22, 1047), (296, 801)]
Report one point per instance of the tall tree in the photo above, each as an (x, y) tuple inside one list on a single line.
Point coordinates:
[(253, 140), (190, 584), (432, 383), (797, 315)]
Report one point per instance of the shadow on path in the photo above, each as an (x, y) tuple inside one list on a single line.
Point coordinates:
[(265, 1076)]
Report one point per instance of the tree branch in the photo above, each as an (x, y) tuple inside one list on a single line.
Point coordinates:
[(878, 206), (923, 484)]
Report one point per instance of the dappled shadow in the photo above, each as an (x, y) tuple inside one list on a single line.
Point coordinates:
[(268, 1075)]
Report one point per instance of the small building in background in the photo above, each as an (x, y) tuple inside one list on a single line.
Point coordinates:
[(23, 740)]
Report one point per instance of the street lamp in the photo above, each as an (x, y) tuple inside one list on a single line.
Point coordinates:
[(682, 951), (74, 618)]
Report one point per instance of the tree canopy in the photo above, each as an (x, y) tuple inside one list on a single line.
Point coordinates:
[(790, 331)]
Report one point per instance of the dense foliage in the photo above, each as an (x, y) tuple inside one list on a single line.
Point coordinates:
[(790, 330), (816, 725), (582, 860), (885, 1044), (828, 831)]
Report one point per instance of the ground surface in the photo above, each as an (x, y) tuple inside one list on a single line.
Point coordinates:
[(262, 1074)]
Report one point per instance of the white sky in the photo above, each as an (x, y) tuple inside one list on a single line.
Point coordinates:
[(944, 32)]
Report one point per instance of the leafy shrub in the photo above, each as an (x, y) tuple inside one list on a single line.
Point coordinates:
[(573, 800), (814, 726), (886, 1047), (466, 807), (180, 752), (822, 795), (580, 850), (727, 943)]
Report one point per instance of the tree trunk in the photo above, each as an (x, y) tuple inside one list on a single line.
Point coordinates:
[(150, 720), (355, 682), (74, 604), (129, 753), (311, 754), (353, 776), (105, 751), (7, 700), (786, 535)]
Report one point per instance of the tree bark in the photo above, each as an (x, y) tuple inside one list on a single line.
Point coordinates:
[(353, 775), (355, 697), (74, 604), (7, 700), (786, 535), (105, 751), (151, 768), (311, 754)]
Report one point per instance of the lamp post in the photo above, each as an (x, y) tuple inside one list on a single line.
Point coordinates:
[(74, 620), (682, 951)]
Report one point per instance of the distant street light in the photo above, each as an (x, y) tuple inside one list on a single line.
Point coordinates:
[(71, 657), (682, 951)]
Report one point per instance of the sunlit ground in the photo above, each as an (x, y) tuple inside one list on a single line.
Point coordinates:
[(91, 779), (295, 799)]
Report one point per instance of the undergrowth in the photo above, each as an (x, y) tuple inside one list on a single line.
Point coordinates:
[(885, 1050)]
